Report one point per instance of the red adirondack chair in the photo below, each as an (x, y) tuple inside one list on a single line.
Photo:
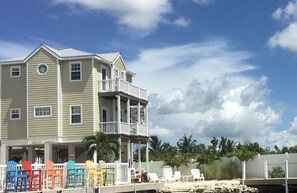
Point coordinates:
[(34, 176)]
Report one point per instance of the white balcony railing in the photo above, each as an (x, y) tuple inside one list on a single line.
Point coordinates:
[(125, 128), (118, 85)]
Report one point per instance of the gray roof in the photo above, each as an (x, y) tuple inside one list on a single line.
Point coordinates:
[(110, 57)]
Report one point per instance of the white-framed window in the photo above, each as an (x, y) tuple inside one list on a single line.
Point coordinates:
[(75, 114), (75, 71), (122, 75), (116, 73), (15, 71), (15, 114), (43, 111), (42, 69)]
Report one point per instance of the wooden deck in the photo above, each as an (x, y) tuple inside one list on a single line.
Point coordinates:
[(269, 181)]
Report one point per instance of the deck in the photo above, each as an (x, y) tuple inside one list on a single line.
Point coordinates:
[(269, 181)]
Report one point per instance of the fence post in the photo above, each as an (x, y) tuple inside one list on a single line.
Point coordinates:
[(243, 171), (286, 176), (265, 170)]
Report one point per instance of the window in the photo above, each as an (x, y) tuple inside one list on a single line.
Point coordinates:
[(15, 114), (75, 114), (43, 111), (116, 73), (42, 69), (15, 71), (75, 71), (122, 75)]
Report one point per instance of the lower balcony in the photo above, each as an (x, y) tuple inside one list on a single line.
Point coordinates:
[(125, 128)]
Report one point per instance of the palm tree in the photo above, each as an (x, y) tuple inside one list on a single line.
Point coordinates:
[(177, 161), (155, 148), (186, 144), (105, 146)]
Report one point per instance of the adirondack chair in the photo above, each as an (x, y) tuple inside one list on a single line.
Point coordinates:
[(197, 175), (168, 174), (34, 176), (108, 173), (53, 175), (95, 174), (75, 176), (15, 179)]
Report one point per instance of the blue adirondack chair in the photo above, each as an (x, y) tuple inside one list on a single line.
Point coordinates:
[(15, 179), (75, 176)]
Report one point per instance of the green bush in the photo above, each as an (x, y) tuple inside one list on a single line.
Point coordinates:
[(230, 170), (277, 172)]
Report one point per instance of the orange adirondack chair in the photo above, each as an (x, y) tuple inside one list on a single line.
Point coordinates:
[(34, 176), (54, 175)]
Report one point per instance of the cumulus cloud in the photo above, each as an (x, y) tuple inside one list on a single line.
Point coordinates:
[(140, 15), (204, 2), (287, 37), (293, 129), (9, 50), (182, 22)]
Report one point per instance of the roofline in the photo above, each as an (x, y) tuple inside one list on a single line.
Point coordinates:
[(38, 48)]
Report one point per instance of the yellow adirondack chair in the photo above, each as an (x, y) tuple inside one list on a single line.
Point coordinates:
[(95, 174)]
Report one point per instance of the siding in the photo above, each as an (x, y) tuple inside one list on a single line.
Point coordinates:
[(77, 93), (13, 97), (97, 78), (119, 64), (42, 90)]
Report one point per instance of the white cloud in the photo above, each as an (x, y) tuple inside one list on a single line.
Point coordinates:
[(9, 50), (182, 22), (139, 15), (287, 37), (293, 129), (204, 2), (161, 132)]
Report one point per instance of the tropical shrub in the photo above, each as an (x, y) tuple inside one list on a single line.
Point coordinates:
[(277, 172), (230, 170)]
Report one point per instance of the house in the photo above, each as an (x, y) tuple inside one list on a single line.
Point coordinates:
[(52, 98)]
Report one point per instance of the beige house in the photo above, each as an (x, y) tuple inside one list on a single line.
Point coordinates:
[(53, 98)]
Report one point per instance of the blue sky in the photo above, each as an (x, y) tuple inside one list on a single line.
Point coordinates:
[(212, 67)]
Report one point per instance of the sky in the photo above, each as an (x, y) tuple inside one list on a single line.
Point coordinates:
[(211, 67)]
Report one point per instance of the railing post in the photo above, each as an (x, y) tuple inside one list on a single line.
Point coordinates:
[(243, 171), (265, 170)]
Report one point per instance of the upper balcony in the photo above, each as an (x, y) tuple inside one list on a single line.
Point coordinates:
[(119, 85)]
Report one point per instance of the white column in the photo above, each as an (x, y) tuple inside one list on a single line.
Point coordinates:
[(71, 152), (286, 176), (139, 157), (120, 150), (119, 113), (243, 172), (48, 152), (132, 156), (128, 153), (128, 111), (31, 154), (4, 154), (265, 170), (147, 157)]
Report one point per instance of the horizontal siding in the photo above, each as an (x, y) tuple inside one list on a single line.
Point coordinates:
[(119, 64), (42, 91), (13, 96), (78, 93)]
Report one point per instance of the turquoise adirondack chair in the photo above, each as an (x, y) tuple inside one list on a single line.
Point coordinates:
[(75, 176), (15, 179)]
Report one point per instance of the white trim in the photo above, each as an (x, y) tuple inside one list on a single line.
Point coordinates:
[(12, 109), (10, 72), (58, 98), (0, 103), (81, 114), (42, 116), (37, 69), (106, 69), (116, 73), (94, 96), (80, 64), (27, 100)]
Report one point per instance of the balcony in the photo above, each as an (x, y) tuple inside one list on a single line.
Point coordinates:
[(118, 85), (126, 128)]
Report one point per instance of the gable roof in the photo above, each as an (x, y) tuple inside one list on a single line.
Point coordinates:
[(110, 57)]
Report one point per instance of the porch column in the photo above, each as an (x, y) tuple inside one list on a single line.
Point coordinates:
[(120, 150), (139, 157), (147, 157), (48, 151), (24, 157), (119, 113), (138, 113), (131, 154), (4, 154), (128, 111), (31, 153), (71, 152), (128, 153)]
